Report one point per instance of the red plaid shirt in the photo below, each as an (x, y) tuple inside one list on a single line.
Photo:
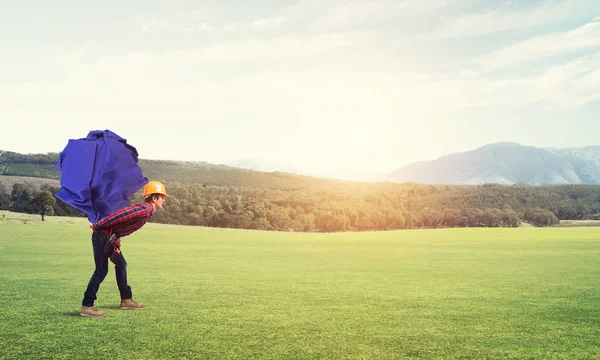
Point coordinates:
[(126, 220)]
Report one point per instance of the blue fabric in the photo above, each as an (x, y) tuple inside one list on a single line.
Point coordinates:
[(99, 173)]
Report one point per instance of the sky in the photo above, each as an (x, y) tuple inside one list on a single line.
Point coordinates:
[(320, 85)]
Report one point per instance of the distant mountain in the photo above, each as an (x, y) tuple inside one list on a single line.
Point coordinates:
[(265, 166), (586, 152), (507, 163)]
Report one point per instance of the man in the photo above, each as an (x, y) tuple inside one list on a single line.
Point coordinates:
[(115, 226)]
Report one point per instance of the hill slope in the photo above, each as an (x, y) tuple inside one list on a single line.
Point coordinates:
[(186, 172), (265, 166)]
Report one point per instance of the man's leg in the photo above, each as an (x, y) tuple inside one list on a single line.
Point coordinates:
[(121, 274), (101, 261)]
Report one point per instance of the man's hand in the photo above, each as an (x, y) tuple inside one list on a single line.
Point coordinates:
[(91, 226)]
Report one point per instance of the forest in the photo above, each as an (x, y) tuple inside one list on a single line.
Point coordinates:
[(203, 194)]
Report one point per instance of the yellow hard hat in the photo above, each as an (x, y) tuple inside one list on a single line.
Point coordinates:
[(154, 187)]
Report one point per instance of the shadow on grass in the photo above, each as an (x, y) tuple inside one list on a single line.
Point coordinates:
[(72, 313), (76, 313), (101, 308)]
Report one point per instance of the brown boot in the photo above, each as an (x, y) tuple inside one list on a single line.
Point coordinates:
[(129, 304), (91, 311)]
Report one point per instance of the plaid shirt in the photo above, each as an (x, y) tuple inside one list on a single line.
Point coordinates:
[(126, 220)]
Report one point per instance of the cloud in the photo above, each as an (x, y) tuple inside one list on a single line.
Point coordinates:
[(500, 20), (341, 14), (561, 87), (88, 73), (544, 47), (197, 21), (154, 24), (335, 15), (201, 28), (302, 79), (268, 23), (298, 79), (230, 27), (287, 51), (178, 19)]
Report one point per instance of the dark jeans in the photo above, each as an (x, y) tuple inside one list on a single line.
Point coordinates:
[(98, 241)]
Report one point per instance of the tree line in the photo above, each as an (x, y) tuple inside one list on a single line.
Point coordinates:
[(30, 199), (355, 207)]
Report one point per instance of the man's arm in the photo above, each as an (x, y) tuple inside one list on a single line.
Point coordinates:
[(123, 215)]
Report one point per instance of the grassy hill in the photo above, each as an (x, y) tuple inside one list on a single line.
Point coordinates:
[(210, 174), (37, 182), (186, 172)]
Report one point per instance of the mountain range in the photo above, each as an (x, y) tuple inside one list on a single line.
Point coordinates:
[(501, 163), (507, 163)]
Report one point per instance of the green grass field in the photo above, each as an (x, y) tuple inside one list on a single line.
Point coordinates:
[(523, 293)]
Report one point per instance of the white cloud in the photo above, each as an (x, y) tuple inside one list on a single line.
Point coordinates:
[(338, 14), (400, 19), (562, 87), (201, 28), (285, 50), (68, 57), (298, 78), (154, 24), (174, 19), (330, 15), (495, 21), (198, 21), (544, 47), (268, 23), (230, 27)]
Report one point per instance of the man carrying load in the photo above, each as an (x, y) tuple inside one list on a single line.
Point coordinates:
[(106, 245)]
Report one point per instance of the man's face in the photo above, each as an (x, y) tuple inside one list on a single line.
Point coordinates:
[(160, 201)]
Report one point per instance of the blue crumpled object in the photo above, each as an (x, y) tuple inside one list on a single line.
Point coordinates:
[(99, 173)]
